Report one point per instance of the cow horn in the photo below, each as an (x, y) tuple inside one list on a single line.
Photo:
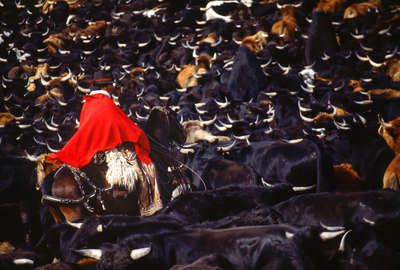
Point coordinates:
[(226, 148), (369, 222), (230, 119), (68, 76), (214, 57), (341, 126), (194, 54), (140, 252), (340, 87), (365, 48), (265, 183), (384, 31), (225, 125), (289, 235), (301, 108), (143, 44), (91, 253), (363, 102), (306, 119), (207, 122), (50, 148), (23, 261), (43, 81), (49, 127), (200, 111), (31, 157), (331, 228), (222, 104), (215, 44), (144, 118), (310, 91), (186, 151), (330, 235), (237, 41), (374, 64), (75, 225), (294, 141), (220, 128), (342, 241), (200, 104), (299, 189), (361, 58), (266, 64)]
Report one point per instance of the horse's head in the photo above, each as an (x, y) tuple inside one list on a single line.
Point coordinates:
[(163, 126)]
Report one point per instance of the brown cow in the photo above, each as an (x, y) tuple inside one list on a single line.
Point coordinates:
[(390, 132), (187, 76), (6, 118), (287, 26), (360, 9), (195, 132), (330, 6), (43, 166), (256, 42), (346, 178), (393, 69)]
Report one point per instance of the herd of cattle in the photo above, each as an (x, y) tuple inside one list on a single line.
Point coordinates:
[(291, 116)]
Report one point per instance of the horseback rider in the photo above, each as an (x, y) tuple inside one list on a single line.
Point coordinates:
[(106, 135)]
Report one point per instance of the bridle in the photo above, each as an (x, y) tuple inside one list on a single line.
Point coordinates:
[(82, 180)]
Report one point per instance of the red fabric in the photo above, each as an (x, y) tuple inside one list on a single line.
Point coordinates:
[(103, 125)]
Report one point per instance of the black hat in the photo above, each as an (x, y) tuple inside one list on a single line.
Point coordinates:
[(101, 78)]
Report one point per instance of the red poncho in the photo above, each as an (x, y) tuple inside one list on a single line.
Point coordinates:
[(103, 125)]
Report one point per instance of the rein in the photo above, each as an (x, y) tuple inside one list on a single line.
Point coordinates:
[(165, 151), (79, 177)]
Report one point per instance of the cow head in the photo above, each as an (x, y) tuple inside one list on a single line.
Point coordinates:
[(390, 132), (359, 9), (6, 118), (256, 42), (43, 167)]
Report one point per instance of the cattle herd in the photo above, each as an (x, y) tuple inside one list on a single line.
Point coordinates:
[(290, 111)]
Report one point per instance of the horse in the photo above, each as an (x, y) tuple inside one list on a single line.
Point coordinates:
[(70, 194)]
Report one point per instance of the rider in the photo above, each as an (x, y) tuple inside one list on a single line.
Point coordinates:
[(107, 134)]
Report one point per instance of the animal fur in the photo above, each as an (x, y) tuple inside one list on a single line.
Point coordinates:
[(391, 134), (387, 93), (391, 176), (287, 26), (6, 118), (195, 132), (120, 172), (393, 69), (256, 42), (43, 167), (186, 77), (330, 6), (360, 9), (346, 178)]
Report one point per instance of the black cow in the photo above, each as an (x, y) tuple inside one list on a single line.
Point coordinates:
[(321, 39), (300, 163), (18, 192), (256, 247), (195, 207), (371, 245), (337, 209), (246, 79), (213, 171)]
